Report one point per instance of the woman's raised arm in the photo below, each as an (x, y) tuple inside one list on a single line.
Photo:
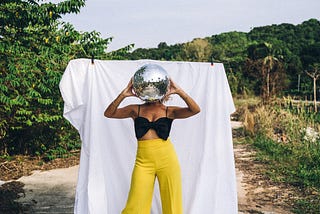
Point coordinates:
[(112, 111), (179, 112)]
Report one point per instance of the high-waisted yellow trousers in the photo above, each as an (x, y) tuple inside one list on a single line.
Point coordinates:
[(155, 158)]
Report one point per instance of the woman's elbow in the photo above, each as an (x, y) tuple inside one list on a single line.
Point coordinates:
[(197, 110), (194, 111), (107, 114)]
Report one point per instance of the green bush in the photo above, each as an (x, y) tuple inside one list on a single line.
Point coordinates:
[(35, 48)]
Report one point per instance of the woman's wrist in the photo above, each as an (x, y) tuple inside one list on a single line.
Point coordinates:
[(123, 94)]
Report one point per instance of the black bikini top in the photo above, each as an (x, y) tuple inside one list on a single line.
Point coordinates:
[(162, 126)]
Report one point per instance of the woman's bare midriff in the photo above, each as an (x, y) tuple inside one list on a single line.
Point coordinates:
[(150, 135)]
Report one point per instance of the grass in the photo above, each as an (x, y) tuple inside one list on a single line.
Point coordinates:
[(296, 166), (239, 102), (280, 135)]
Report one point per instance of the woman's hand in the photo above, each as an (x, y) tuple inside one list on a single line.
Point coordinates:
[(173, 88), (128, 91), (179, 112)]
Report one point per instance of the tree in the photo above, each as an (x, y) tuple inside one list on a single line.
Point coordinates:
[(268, 64), (198, 50), (229, 47), (35, 47), (314, 74), (264, 61)]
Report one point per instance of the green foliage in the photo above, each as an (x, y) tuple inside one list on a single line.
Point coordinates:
[(295, 47), (35, 48), (297, 165), (288, 141), (230, 47), (265, 63), (310, 54), (197, 50), (163, 52), (304, 206)]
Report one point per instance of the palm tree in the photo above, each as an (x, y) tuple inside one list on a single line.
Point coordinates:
[(265, 59), (268, 64)]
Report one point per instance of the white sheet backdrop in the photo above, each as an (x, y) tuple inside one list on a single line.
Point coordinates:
[(203, 142)]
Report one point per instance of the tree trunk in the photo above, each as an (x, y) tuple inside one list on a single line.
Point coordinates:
[(268, 85), (314, 76), (315, 93)]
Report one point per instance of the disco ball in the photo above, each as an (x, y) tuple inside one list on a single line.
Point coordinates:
[(150, 82)]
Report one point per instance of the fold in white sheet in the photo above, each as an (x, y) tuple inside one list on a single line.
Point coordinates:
[(203, 142)]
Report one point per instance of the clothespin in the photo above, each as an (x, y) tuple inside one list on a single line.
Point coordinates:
[(92, 59)]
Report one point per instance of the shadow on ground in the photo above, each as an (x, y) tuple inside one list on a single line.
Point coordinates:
[(9, 192), (51, 191)]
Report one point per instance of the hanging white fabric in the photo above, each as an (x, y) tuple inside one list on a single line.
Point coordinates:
[(203, 142)]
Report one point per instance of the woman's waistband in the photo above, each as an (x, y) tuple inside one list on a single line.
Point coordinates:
[(152, 142)]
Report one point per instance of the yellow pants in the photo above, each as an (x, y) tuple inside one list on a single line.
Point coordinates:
[(155, 158)]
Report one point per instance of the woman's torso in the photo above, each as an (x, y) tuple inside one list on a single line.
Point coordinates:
[(152, 122)]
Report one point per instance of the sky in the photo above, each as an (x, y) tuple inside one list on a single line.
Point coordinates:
[(146, 23)]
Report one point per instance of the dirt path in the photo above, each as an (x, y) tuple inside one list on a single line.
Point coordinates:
[(53, 191), (256, 193)]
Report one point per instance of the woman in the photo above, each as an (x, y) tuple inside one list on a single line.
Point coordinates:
[(156, 156)]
